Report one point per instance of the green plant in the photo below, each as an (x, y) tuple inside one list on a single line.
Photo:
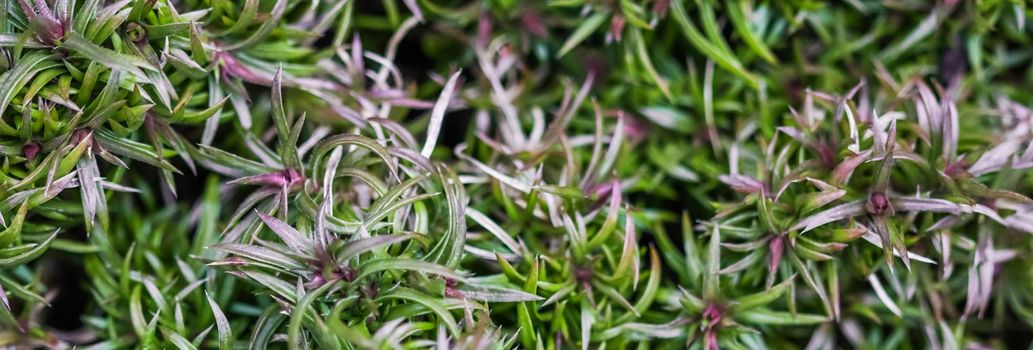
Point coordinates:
[(501, 174)]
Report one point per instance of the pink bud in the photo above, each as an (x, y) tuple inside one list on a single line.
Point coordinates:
[(713, 313), (877, 203), (617, 27), (346, 273), (450, 289), (660, 8), (79, 135), (955, 169), (532, 22), (583, 274), (30, 150)]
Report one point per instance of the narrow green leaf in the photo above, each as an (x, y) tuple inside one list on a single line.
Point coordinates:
[(221, 324), (583, 30), (764, 297), (355, 248), (114, 60), (742, 26), (725, 59), (768, 317), (35, 251), (431, 303)]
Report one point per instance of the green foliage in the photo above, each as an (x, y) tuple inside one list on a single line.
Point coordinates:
[(566, 174)]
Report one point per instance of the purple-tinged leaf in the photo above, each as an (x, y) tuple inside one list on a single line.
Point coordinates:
[(746, 246), (437, 115), (821, 185), (48, 27), (996, 158), (820, 199), (93, 199), (885, 298), (277, 179), (742, 183), (587, 321), (931, 205), (943, 223), (794, 133), (520, 185), (746, 262), (982, 210), (131, 149), (841, 174), (261, 254), (982, 272), (477, 289), (278, 286), (495, 230), (294, 239), (809, 253), (668, 118), (840, 212), (1020, 221), (874, 239), (950, 132), (776, 247), (933, 111), (823, 338), (6, 317), (3, 300)]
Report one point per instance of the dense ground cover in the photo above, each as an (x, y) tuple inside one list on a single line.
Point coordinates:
[(504, 174)]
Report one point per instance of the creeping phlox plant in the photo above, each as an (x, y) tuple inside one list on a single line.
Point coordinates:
[(568, 174)]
